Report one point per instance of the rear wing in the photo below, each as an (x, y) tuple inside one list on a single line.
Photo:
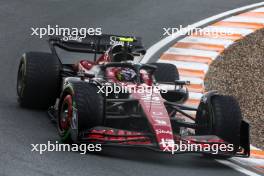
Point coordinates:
[(96, 44)]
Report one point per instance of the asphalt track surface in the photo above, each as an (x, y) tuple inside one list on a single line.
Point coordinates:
[(20, 127)]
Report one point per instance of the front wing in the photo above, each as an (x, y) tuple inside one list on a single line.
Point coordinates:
[(119, 137)]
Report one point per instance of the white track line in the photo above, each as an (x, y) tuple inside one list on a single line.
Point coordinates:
[(195, 96), (259, 10), (193, 80), (188, 65), (253, 147), (237, 167), (230, 30), (249, 161), (192, 52), (156, 47), (245, 19), (214, 41)]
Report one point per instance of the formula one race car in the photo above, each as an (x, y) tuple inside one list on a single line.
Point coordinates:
[(112, 99)]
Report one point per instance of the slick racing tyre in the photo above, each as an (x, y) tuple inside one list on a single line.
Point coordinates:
[(222, 118), (166, 72), (38, 80), (81, 108)]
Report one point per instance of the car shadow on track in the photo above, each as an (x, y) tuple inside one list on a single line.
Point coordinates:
[(159, 158)]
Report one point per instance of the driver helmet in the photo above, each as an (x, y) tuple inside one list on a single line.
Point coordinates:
[(125, 74)]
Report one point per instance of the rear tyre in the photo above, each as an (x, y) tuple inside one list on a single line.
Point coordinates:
[(38, 80), (81, 108), (224, 120)]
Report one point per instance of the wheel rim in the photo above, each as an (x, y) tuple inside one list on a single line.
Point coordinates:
[(65, 116), (21, 80)]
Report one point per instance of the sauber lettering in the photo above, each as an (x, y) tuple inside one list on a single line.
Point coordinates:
[(159, 131), (114, 41)]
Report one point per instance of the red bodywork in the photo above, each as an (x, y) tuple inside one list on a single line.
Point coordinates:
[(154, 110)]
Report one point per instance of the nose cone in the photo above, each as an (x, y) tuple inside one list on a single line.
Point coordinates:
[(164, 137), (166, 145)]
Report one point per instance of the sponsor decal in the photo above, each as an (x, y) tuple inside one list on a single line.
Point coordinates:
[(160, 131), (160, 122), (158, 115), (115, 40)]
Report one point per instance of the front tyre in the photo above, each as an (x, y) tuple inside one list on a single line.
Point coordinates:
[(222, 117), (81, 108)]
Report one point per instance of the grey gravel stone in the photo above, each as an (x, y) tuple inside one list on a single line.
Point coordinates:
[(239, 71)]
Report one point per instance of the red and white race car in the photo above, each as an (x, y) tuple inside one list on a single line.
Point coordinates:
[(113, 99)]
